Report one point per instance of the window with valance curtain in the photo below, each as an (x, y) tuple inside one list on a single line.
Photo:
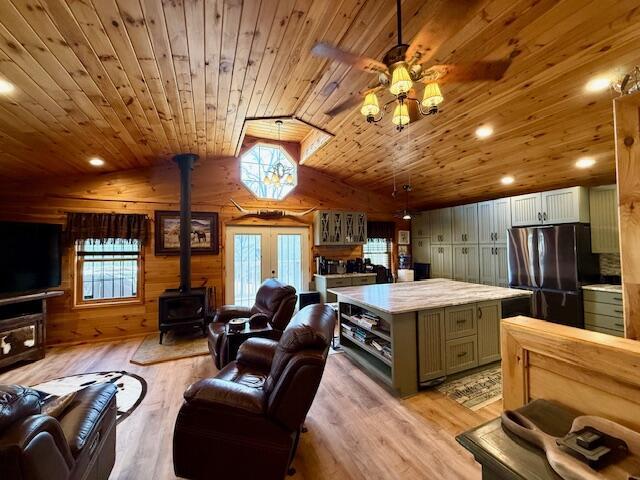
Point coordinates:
[(378, 246), (101, 227)]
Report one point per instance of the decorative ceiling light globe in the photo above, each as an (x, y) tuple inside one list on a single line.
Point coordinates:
[(400, 80), (370, 107), (432, 95), (401, 115)]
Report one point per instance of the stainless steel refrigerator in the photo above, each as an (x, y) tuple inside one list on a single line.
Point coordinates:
[(554, 262)]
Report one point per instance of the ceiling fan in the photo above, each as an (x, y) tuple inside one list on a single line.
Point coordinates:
[(405, 64)]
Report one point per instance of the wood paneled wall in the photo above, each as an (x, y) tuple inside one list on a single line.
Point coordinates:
[(157, 188), (593, 373), (627, 129)]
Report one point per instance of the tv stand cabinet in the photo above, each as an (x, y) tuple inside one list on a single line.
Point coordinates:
[(23, 326)]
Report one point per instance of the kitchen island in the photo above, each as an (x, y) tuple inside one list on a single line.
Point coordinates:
[(416, 333)]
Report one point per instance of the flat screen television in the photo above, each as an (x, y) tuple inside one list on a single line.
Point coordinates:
[(30, 257)]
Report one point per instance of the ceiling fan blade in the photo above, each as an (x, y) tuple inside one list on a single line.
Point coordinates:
[(358, 61), (447, 18), (348, 104), (469, 72), (352, 101)]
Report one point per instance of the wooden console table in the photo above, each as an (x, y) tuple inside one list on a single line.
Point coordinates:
[(23, 326)]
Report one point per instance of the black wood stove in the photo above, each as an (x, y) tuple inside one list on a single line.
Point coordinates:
[(184, 306)]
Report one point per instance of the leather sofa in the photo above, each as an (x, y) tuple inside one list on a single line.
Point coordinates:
[(245, 422), (81, 444), (274, 305)]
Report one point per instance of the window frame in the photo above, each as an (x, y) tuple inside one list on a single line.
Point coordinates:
[(80, 303), (389, 251), (285, 153)]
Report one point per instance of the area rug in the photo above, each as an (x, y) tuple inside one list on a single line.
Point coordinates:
[(476, 390), (175, 345), (131, 388)]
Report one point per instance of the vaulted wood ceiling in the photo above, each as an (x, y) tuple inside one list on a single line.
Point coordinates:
[(135, 81)]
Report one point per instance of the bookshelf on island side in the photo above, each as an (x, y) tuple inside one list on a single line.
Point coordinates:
[(429, 329)]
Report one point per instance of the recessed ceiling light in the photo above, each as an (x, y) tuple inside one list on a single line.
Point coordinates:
[(6, 87), (96, 162), (585, 162), (484, 131), (597, 84), (508, 180)]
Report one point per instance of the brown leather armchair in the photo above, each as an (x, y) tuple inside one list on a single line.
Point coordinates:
[(81, 444), (275, 303), (245, 422)]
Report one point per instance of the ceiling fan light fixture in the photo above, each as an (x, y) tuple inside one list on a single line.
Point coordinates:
[(401, 115), (401, 81), (370, 107), (432, 95), (406, 216)]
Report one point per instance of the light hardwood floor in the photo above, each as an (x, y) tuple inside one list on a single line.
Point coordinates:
[(357, 430)]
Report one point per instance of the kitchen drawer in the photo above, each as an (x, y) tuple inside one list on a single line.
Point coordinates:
[(363, 281), (461, 354), (338, 282), (604, 321), (460, 321), (603, 309), (616, 333), (602, 297)]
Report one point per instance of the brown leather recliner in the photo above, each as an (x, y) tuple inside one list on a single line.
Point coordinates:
[(275, 303), (245, 422), (81, 444)]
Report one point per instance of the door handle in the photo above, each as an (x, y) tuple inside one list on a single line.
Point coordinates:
[(479, 312), (539, 216), (544, 216)]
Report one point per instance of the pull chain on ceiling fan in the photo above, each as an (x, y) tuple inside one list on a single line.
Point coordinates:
[(404, 65)]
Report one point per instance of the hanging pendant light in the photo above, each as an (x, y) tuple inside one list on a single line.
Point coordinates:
[(401, 115), (400, 80)]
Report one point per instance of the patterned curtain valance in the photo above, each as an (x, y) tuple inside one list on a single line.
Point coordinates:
[(381, 230), (101, 226)]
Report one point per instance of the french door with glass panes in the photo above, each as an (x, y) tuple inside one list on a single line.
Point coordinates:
[(254, 254)]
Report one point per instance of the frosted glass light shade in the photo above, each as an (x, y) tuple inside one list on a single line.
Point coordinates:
[(432, 95), (370, 107), (400, 80)]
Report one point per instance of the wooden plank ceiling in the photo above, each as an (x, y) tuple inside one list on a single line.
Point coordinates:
[(135, 81)]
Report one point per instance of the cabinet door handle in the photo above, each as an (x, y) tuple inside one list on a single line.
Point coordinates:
[(544, 216), (539, 216), (461, 320), (479, 312), (462, 354), (618, 311), (618, 298), (619, 324)]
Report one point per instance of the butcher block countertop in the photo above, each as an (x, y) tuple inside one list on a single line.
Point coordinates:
[(406, 297)]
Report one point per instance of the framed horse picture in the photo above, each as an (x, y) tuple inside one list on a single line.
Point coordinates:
[(204, 233)]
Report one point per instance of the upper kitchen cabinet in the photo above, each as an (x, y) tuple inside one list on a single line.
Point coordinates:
[(494, 219), (440, 225), (567, 205), (420, 225), (464, 224), (340, 228), (421, 250), (603, 202)]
